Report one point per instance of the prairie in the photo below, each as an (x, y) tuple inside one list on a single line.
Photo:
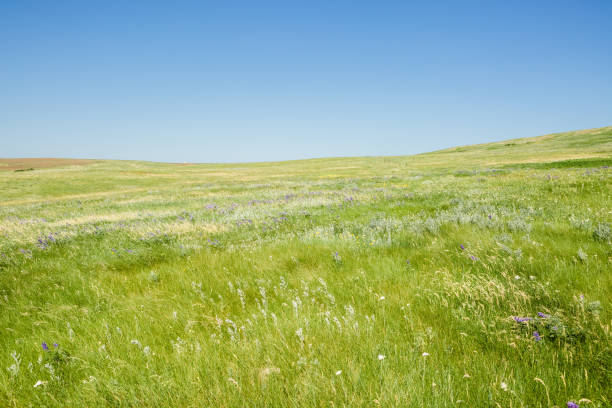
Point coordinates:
[(471, 276)]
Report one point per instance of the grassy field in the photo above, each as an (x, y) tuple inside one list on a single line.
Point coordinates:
[(473, 276)]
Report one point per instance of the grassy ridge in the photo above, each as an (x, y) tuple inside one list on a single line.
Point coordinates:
[(474, 276)]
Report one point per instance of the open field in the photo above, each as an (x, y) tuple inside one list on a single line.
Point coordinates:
[(473, 276), (40, 163)]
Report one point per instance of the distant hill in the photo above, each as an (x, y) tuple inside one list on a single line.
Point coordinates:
[(580, 148)]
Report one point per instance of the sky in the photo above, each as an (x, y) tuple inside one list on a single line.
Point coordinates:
[(225, 81)]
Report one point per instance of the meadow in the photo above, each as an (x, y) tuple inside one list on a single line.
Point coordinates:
[(473, 276)]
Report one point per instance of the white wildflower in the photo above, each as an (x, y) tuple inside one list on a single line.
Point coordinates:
[(14, 368), (89, 380), (242, 298), (338, 324), (300, 333)]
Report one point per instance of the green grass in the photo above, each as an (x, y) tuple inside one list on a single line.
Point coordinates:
[(281, 284)]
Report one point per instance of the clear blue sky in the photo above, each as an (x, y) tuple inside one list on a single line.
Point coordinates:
[(251, 81)]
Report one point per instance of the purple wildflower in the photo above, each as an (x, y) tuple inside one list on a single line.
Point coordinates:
[(44, 346), (55, 345), (462, 247), (543, 315), (521, 319), (572, 404), (536, 336), (473, 258)]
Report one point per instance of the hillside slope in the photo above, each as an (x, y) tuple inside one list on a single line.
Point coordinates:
[(575, 145)]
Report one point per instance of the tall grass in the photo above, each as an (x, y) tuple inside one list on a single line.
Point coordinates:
[(402, 281)]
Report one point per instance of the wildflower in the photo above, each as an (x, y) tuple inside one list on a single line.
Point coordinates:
[(381, 357), (300, 333), (504, 386), (517, 277), (44, 346), (466, 375), (473, 258), (338, 372), (521, 319), (571, 404), (39, 383), (425, 354), (536, 336), (381, 298), (543, 315), (462, 247), (14, 368)]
